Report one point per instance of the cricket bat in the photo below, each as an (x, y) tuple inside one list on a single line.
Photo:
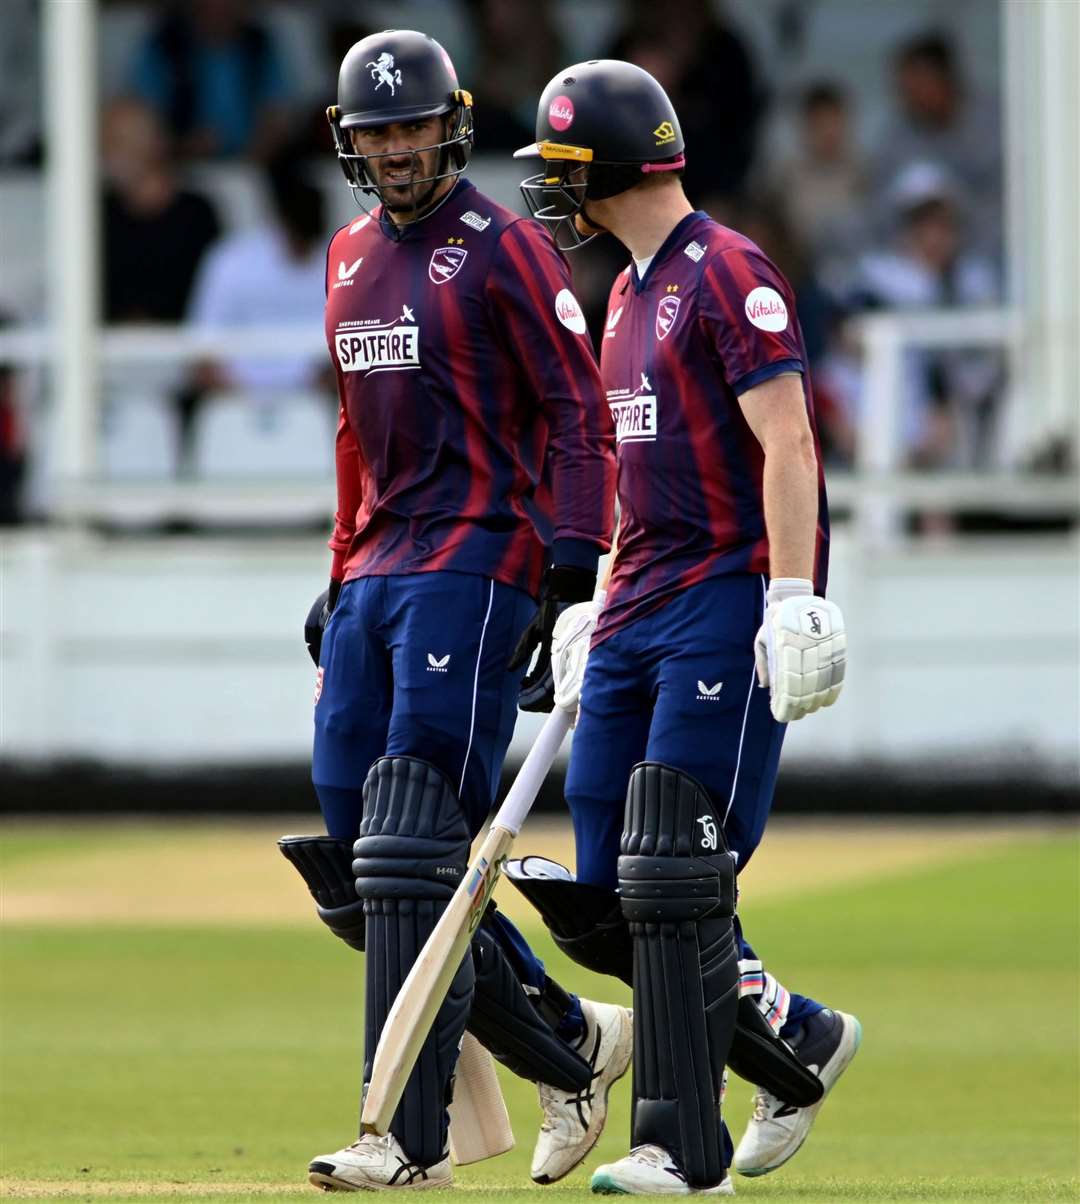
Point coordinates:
[(479, 1123), (425, 987)]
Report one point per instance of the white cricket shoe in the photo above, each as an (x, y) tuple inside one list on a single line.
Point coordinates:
[(651, 1171), (777, 1129), (573, 1121), (375, 1164)]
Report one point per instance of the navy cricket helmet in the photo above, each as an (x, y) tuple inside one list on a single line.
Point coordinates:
[(398, 76), (601, 126)]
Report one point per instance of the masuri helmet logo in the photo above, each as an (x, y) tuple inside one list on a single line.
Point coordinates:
[(664, 133)]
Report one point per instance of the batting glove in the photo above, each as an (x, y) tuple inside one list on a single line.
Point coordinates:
[(318, 617), (562, 586), (800, 650), (569, 651)]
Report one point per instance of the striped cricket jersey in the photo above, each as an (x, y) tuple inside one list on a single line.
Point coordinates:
[(711, 319), (473, 432)]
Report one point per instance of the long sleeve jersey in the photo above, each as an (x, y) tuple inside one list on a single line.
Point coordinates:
[(473, 433)]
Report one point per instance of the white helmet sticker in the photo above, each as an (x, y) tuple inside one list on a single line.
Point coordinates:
[(384, 71), (766, 309), (568, 311)]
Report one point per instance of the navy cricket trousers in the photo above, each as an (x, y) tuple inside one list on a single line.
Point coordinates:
[(679, 686), (414, 665)]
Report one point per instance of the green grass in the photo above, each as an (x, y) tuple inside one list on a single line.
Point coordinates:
[(204, 1056)]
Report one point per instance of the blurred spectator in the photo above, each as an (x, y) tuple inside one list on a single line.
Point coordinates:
[(20, 83), (819, 317), (822, 189), (154, 233), (705, 67), (949, 395), (941, 120), (312, 138), (12, 444), (508, 82), (217, 79), (272, 275)]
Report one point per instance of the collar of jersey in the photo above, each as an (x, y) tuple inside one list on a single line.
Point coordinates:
[(665, 249), (416, 229)]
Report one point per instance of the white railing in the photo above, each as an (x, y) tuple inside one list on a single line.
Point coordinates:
[(882, 489), (876, 490)]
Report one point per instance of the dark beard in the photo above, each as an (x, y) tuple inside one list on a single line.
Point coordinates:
[(416, 205)]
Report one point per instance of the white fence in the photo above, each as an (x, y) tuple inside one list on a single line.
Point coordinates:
[(189, 651), (876, 490)]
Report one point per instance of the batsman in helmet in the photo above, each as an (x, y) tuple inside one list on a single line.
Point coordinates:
[(713, 635), (475, 481)]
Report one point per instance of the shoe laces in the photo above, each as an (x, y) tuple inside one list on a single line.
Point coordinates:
[(549, 1099), (651, 1155), (366, 1140), (763, 1101)]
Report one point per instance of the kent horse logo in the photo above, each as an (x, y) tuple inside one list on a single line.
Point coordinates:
[(445, 264), (383, 70), (666, 313)]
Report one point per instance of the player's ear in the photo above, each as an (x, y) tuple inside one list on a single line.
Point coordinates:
[(585, 227)]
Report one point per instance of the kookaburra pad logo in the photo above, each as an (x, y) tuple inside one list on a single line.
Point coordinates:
[(383, 70), (708, 832)]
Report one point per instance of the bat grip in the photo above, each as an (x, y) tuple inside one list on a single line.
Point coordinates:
[(521, 795)]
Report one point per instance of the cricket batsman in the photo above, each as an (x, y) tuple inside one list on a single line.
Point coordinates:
[(713, 636), (475, 481)]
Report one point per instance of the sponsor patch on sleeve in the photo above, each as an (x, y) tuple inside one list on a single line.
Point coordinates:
[(569, 312), (766, 309)]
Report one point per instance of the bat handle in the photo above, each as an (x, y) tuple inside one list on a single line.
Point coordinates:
[(521, 795)]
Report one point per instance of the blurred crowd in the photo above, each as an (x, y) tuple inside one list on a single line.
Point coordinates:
[(909, 218)]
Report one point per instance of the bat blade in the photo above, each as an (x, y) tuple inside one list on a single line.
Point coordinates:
[(424, 989), (479, 1123)]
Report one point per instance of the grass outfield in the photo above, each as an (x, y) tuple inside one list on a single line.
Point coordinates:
[(145, 1054)]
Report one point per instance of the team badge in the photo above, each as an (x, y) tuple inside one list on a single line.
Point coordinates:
[(445, 264), (384, 71), (666, 313)]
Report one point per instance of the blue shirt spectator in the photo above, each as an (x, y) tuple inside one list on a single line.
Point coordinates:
[(217, 79)]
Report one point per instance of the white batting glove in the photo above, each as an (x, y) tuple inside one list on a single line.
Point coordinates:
[(570, 650), (800, 650)]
